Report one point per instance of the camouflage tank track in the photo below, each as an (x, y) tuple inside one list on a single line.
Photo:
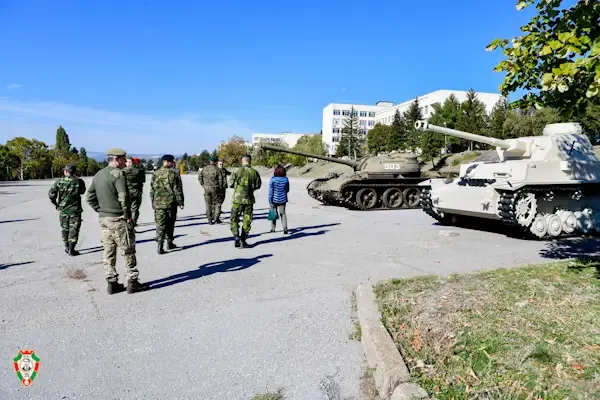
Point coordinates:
[(356, 186), (508, 199)]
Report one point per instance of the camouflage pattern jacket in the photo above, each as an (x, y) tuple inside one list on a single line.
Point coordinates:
[(211, 178), (166, 189), (66, 193), (245, 181), (108, 194), (136, 177)]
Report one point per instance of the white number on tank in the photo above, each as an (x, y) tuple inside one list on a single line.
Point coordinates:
[(391, 166)]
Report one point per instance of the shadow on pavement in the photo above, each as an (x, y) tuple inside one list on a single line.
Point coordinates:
[(101, 248), (295, 233), (236, 264), (18, 220), (185, 219), (8, 265), (561, 249)]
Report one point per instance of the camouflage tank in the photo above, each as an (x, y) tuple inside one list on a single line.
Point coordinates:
[(378, 183), (544, 186)]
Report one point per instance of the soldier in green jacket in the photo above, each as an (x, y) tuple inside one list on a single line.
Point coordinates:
[(244, 181), (222, 192), (136, 177), (166, 193), (213, 182), (65, 194), (108, 196)]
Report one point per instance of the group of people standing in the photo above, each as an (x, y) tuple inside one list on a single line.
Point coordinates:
[(115, 193)]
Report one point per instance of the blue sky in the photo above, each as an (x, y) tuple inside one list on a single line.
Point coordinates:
[(157, 76)]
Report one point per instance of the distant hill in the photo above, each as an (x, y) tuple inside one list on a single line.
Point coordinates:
[(98, 156)]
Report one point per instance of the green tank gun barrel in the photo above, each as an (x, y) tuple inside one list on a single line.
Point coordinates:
[(426, 126), (353, 164)]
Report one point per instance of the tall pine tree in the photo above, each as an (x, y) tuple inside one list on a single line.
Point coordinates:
[(473, 119), (498, 117), (412, 115), (352, 140), (63, 145), (397, 133), (83, 162)]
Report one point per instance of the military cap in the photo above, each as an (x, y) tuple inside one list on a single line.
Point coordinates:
[(167, 157), (70, 167), (116, 152)]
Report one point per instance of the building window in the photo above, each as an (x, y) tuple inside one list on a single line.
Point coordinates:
[(335, 139), (425, 109), (336, 121), (363, 122), (372, 114), (336, 130), (371, 123), (363, 113), (363, 131), (336, 112), (346, 112)]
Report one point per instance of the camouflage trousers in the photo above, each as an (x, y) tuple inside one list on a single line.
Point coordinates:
[(136, 203), (165, 223), (213, 205), (69, 226), (237, 210), (117, 233)]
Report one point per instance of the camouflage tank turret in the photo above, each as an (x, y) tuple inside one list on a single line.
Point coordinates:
[(545, 186), (386, 182)]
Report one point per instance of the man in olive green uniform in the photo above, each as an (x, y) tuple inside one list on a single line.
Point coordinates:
[(166, 193), (108, 196), (244, 181), (65, 194), (212, 181), (136, 177), (222, 192)]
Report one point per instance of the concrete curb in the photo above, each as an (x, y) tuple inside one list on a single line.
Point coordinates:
[(390, 372)]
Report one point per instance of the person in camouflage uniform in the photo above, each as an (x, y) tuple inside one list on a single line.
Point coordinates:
[(223, 192), (65, 194), (136, 177), (108, 196), (244, 181), (166, 193), (213, 182)]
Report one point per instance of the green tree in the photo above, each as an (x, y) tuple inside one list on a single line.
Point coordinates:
[(412, 115), (473, 118), (397, 134), (270, 158), (233, 150), (9, 162), (556, 60), (351, 141), (35, 161), (82, 165), (498, 117), (205, 157), (63, 145), (310, 144), (378, 138), (531, 122), (150, 165)]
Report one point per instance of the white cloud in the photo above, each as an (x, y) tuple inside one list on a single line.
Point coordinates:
[(98, 130), (13, 86)]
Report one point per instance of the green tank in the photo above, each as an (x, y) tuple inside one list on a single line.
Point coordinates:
[(385, 182)]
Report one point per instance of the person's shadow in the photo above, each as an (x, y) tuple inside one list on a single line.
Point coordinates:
[(236, 264)]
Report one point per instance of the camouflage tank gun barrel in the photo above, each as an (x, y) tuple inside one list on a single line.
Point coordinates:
[(510, 147), (353, 164)]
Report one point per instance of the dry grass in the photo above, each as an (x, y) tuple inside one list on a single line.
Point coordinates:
[(278, 395), (76, 273), (522, 333), (368, 389)]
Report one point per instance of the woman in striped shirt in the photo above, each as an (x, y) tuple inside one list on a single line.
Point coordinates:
[(279, 186)]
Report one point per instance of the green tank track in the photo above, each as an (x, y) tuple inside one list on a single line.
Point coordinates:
[(335, 198)]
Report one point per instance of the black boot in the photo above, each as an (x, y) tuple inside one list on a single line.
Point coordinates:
[(135, 286), (115, 287), (160, 249), (67, 247), (72, 251), (243, 241), (171, 246), (238, 243)]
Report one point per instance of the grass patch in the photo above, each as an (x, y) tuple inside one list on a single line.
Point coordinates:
[(465, 158), (278, 395), (521, 333), (368, 389), (76, 273), (356, 333)]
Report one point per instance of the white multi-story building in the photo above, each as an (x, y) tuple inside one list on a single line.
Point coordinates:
[(383, 112), (286, 137), (335, 113), (426, 103)]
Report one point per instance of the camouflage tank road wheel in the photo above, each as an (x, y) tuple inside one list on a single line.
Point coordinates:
[(412, 197), (392, 198), (366, 198)]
